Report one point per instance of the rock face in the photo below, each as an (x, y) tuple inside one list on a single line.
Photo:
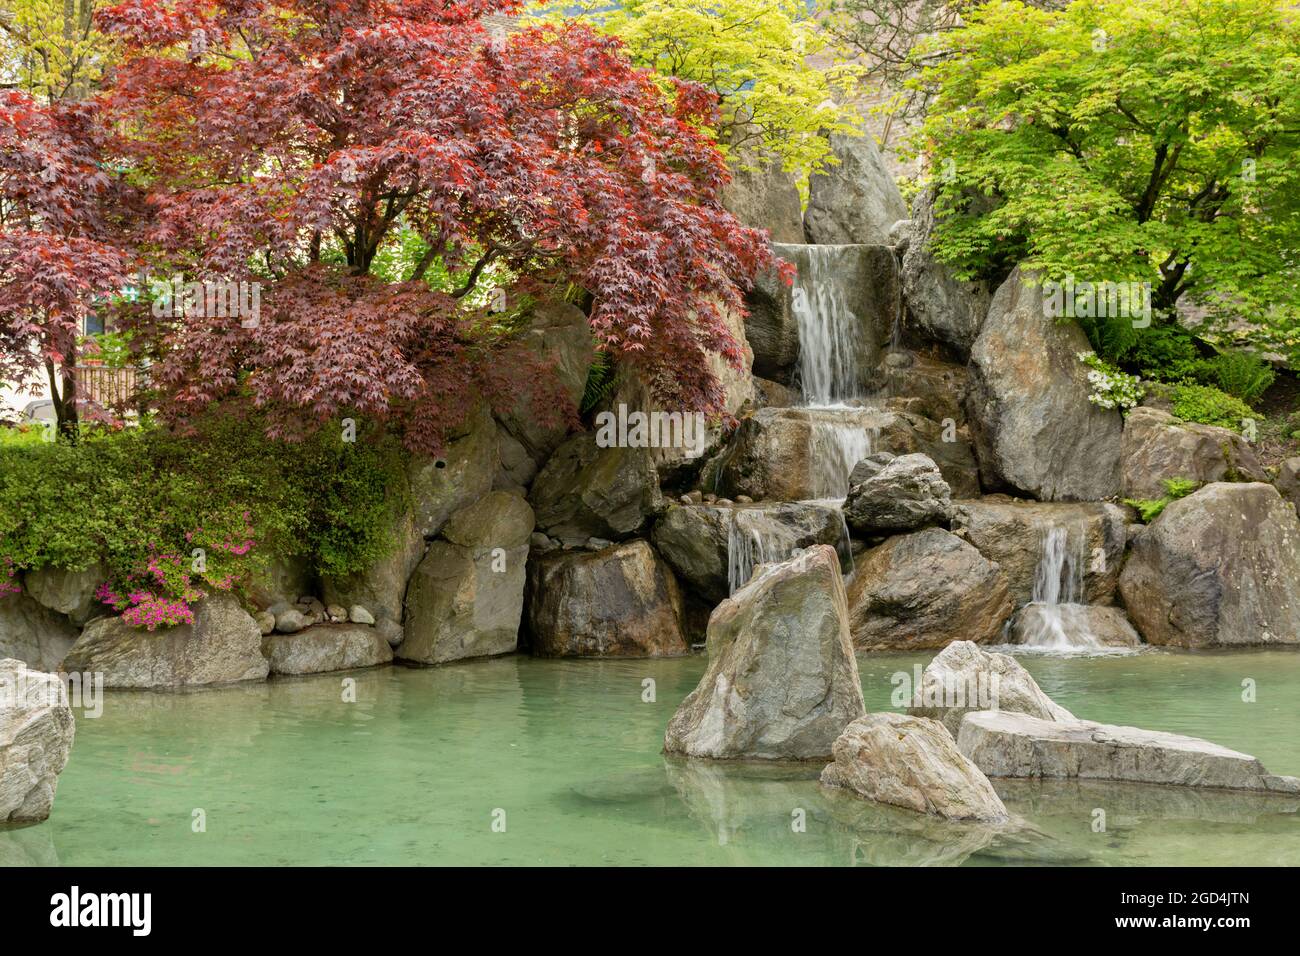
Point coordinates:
[(1036, 624), (906, 493), (326, 647), (1158, 446), (929, 386), (1018, 745), (782, 682), (1288, 481), (466, 598), (705, 543), (1035, 430), (223, 645), (1011, 532), (1219, 567), (619, 602), (33, 634), (66, 592), (787, 454), (763, 196), (36, 731), (963, 678), (914, 763), (587, 491), (855, 201), (940, 306), (924, 590)]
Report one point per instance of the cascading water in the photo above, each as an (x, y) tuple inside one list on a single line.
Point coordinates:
[(835, 447), (755, 537), (1060, 624), (829, 332)]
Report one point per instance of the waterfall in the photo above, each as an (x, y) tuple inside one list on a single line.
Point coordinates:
[(1060, 624), (753, 538), (829, 332), (834, 448)]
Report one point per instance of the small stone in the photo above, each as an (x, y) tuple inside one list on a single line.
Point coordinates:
[(744, 500), (710, 498), (686, 500), (390, 631), (541, 543), (723, 502), (337, 613), (265, 622), (696, 496), (597, 544), (291, 621), (359, 615)]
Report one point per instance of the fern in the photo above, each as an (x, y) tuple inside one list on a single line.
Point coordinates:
[(601, 379)]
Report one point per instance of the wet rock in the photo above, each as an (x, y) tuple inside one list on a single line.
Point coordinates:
[(1076, 625), (1219, 567), (33, 634), (1035, 430), (963, 678), (223, 645), (782, 682), (1158, 446), (326, 647), (466, 598), (36, 731), (66, 592), (1018, 745), (621, 602), (925, 590), (906, 493), (587, 491), (856, 201), (912, 762)]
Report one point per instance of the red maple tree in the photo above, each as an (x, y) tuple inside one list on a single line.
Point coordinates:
[(291, 143)]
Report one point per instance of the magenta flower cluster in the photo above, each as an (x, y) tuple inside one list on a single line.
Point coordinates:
[(146, 609), (8, 585)]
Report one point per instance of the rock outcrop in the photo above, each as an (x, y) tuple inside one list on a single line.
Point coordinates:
[(36, 731), (906, 493), (1035, 430), (223, 645), (1157, 446), (912, 762), (326, 647), (1287, 481), (619, 602), (763, 196), (66, 592), (1219, 567), (33, 634), (587, 491), (782, 682), (856, 200)]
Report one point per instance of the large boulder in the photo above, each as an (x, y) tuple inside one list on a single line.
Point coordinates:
[(619, 602), (924, 590), (1035, 429), (223, 645), (326, 647), (1013, 533), (36, 731), (762, 195), (796, 454), (66, 592), (466, 598), (1018, 745), (1219, 567), (588, 491), (940, 307), (33, 634), (906, 493), (714, 548), (856, 200), (1072, 627), (1157, 446), (927, 385), (964, 678), (782, 682), (914, 763)]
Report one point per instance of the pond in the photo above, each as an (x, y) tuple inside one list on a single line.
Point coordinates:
[(525, 761)]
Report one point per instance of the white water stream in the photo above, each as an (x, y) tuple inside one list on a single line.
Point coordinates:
[(1061, 623)]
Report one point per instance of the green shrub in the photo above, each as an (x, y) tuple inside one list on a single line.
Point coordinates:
[(1166, 353), (1241, 374), (1149, 509), (1209, 406)]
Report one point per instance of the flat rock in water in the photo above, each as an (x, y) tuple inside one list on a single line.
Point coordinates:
[(326, 647)]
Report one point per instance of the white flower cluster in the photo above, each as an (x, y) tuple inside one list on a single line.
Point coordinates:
[(1111, 388)]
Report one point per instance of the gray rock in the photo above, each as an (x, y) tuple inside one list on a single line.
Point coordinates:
[(291, 621), (964, 678), (517, 466), (914, 763), (1035, 430), (390, 631), (466, 598), (1018, 745), (1219, 567), (906, 493), (1287, 481), (587, 491), (1078, 625), (223, 645), (856, 201), (927, 386), (782, 682), (924, 590), (704, 544), (265, 622), (337, 614), (66, 592), (1158, 446), (326, 647), (621, 602), (283, 580), (36, 732), (357, 614), (763, 196), (33, 634)]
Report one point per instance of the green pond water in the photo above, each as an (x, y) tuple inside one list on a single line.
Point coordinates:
[(417, 769)]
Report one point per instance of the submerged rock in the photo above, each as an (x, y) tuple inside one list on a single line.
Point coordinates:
[(914, 763), (855, 201), (963, 678), (782, 682), (34, 634), (223, 645), (906, 493), (1158, 446), (1018, 745), (36, 731), (926, 589), (326, 647), (620, 602), (1219, 567)]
